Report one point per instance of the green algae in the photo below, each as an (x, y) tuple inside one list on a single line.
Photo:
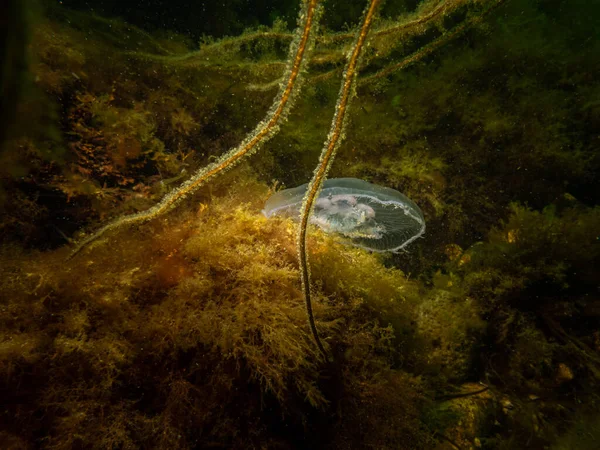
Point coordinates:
[(189, 330), (228, 309)]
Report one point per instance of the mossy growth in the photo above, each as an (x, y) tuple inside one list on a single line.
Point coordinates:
[(192, 329), (479, 124), (189, 331), (540, 250), (582, 435), (531, 281), (112, 125)]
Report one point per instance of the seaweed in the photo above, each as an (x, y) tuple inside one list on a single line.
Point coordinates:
[(188, 331), (228, 313)]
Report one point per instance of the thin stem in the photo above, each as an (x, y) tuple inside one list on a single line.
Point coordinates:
[(336, 135)]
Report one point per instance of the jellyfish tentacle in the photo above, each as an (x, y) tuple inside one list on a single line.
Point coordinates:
[(335, 137), (299, 49)]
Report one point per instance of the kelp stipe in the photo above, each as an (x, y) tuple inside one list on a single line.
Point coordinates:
[(301, 46), (334, 139)]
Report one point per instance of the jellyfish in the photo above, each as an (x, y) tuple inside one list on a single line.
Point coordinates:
[(372, 217)]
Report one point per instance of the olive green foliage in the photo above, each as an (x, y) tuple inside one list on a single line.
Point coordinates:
[(531, 279), (450, 328), (555, 250), (540, 263), (192, 330), (505, 115), (22, 104), (124, 132), (189, 331), (582, 435)]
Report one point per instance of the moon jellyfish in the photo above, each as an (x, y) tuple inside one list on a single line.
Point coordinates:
[(371, 217)]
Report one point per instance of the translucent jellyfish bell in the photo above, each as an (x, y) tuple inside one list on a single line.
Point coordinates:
[(372, 217)]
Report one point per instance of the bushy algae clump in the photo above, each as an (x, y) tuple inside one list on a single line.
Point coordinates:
[(288, 88), (530, 280), (191, 330)]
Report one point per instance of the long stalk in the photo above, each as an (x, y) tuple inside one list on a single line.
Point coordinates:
[(334, 139)]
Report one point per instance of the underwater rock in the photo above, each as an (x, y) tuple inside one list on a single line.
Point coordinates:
[(372, 217)]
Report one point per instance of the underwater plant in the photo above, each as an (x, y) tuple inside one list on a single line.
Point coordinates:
[(191, 331), (302, 43), (433, 14), (332, 144)]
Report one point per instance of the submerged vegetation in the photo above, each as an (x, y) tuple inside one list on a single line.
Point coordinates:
[(189, 331)]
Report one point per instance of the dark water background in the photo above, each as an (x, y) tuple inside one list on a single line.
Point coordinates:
[(224, 18)]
